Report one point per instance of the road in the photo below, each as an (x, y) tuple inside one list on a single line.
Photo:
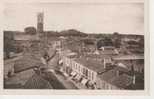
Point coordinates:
[(58, 80), (56, 84)]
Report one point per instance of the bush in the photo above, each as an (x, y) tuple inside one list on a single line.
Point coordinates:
[(30, 30)]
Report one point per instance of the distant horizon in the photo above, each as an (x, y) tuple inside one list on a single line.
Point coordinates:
[(124, 18)]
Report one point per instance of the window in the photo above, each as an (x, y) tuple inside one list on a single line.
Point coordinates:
[(89, 74), (92, 75), (81, 69), (86, 72), (77, 67)]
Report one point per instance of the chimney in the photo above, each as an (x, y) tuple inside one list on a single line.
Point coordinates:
[(134, 79), (133, 73), (104, 63)]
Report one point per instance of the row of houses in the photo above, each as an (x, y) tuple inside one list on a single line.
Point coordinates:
[(97, 74), (102, 69)]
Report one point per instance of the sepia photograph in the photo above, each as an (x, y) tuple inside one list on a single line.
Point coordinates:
[(74, 46)]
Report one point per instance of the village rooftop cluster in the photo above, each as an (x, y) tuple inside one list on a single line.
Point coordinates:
[(71, 59)]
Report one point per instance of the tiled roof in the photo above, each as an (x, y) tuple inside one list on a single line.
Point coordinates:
[(97, 56), (123, 81), (108, 52), (138, 64), (54, 39), (108, 75), (19, 79), (118, 80), (37, 82), (122, 69), (22, 36), (92, 64), (128, 57), (26, 62)]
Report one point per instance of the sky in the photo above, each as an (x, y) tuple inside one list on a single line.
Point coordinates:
[(126, 18)]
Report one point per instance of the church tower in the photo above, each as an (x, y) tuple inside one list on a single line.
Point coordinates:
[(40, 23)]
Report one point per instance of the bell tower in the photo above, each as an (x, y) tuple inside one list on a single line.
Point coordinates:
[(40, 23)]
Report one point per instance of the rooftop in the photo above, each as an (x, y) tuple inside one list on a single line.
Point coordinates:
[(26, 62), (100, 56), (128, 57), (123, 81), (91, 64), (108, 75), (119, 80), (109, 51), (37, 82), (25, 37)]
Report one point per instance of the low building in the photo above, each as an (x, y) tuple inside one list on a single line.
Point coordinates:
[(128, 60), (85, 70), (97, 72), (55, 42), (26, 75), (108, 50), (116, 78), (37, 82)]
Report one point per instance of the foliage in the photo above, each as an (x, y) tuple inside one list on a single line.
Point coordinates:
[(30, 30)]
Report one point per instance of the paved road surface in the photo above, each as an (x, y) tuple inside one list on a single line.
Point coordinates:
[(56, 84), (63, 82)]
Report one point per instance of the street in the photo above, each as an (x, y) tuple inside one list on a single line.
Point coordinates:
[(57, 80), (55, 83)]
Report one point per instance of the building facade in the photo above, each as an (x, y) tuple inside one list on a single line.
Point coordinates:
[(84, 70)]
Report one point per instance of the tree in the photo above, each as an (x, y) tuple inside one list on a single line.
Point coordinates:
[(106, 41), (73, 32), (116, 39), (141, 42), (30, 30), (8, 43)]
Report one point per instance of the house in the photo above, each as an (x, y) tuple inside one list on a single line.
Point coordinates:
[(25, 37), (55, 42), (26, 75), (108, 50), (27, 62), (37, 82), (128, 60), (84, 69), (116, 78)]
